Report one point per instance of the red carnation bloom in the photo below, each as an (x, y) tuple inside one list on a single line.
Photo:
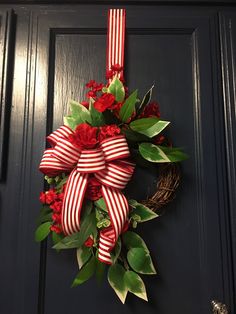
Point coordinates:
[(85, 136), (104, 102), (89, 242), (56, 206), (60, 196), (50, 196), (108, 131), (56, 229), (94, 189), (151, 110)]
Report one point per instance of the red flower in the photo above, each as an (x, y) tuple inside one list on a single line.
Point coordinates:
[(85, 104), (104, 102), (109, 74), (42, 197), (56, 228), (89, 242), (91, 93), (151, 110), (85, 136), (97, 87), (116, 67), (50, 196), (90, 84), (108, 131), (56, 218), (56, 206), (94, 189), (60, 196)]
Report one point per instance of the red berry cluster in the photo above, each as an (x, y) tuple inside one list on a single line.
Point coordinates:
[(54, 200), (94, 88)]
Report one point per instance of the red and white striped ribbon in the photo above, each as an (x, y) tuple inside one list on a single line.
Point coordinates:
[(109, 168), (116, 39)]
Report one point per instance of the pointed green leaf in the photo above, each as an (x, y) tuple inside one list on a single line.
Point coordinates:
[(128, 107), (153, 153), (76, 240), (101, 204), (174, 154), (135, 285), (133, 240), (71, 122), (116, 88), (79, 111), (42, 231), (96, 116), (149, 126), (146, 99), (85, 273), (56, 237), (44, 215), (140, 260), (83, 254), (100, 270), (135, 136), (116, 275), (142, 211)]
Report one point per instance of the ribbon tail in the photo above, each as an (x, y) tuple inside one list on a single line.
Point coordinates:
[(118, 210), (73, 200)]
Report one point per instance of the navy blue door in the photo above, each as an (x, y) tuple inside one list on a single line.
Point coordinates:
[(188, 52)]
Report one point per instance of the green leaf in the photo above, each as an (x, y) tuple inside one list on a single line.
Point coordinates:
[(79, 111), (76, 240), (146, 99), (42, 231), (142, 211), (140, 260), (101, 204), (87, 209), (116, 88), (100, 269), (133, 240), (116, 275), (96, 116), (153, 153), (116, 251), (83, 254), (85, 273), (135, 284), (135, 136), (174, 154), (44, 215), (128, 107), (56, 237), (149, 126), (71, 122)]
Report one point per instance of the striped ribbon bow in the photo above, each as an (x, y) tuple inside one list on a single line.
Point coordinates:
[(108, 166)]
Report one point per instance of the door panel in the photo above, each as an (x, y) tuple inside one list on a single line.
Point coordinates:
[(177, 49)]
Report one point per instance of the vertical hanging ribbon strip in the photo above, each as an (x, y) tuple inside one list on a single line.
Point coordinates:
[(116, 41)]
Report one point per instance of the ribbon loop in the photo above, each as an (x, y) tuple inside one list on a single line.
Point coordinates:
[(91, 161), (109, 167)]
